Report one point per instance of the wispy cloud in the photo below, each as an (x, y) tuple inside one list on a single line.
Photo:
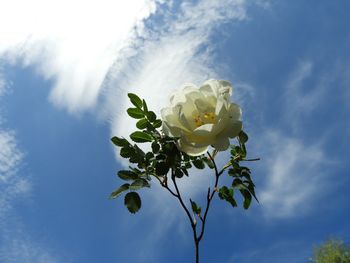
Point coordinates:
[(295, 166), (295, 174), (74, 44), (15, 244)]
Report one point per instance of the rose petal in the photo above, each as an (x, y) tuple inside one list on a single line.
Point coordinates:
[(191, 149), (221, 144), (234, 111), (233, 129)]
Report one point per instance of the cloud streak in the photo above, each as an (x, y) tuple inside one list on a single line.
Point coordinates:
[(15, 244), (73, 44)]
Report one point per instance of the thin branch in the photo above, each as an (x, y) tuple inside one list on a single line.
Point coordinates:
[(250, 160), (210, 196), (181, 202), (165, 185)]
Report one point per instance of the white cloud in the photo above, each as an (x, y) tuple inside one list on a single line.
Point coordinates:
[(72, 43), (11, 185), (295, 166), (15, 245), (22, 249), (295, 173)]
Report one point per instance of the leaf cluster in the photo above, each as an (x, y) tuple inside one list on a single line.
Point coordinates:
[(241, 176), (163, 157)]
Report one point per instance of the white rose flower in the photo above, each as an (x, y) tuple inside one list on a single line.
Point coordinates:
[(202, 116)]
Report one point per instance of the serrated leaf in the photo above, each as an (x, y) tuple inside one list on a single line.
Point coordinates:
[(142, 124), (117, 192), (121, 142), (132, 202), (139, 183), (139, 136), (127, 175), (135, 100), (135, 113)]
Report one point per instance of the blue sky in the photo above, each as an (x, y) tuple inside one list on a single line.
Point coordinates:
[(63, 86)]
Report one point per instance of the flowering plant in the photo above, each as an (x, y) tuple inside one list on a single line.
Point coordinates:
[(196, 119)]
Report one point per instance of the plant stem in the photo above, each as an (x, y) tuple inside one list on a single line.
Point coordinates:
[(210, 195), (192, 221)]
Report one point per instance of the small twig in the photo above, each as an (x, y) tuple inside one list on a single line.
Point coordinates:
[(210, 196), (165, 185), (250, 160)]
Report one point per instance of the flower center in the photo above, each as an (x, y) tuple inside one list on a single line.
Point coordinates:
[(204, 118)]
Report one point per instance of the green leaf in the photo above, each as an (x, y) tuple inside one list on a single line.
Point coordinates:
[(126, 152), (162, 168), (132, 202), (135, 113), (127, 175), (195, 208), (243, 137), (151, 116), (209, 162), (139, 183), (157, 123), (227, 194), (247, 198), (135, 100), (184, 171), (121, 142), (155, 147), (237, 183), (178, 173), (198, 163), (117, 192), (145, 108), (139, 136), (142, 124)]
